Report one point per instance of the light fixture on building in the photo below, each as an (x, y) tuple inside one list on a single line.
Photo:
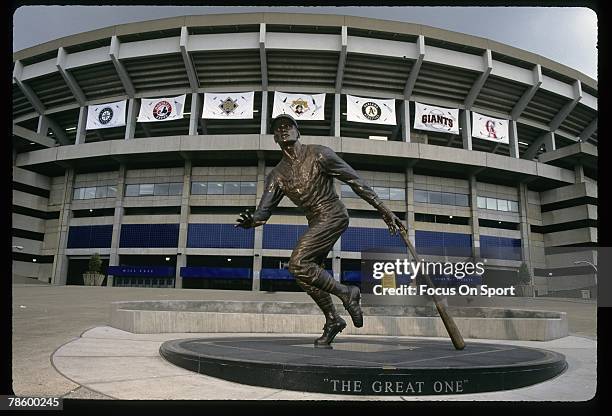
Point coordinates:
[(32, 143), (71, 128), (523, 143), (167, 258), (229, 259), (499, 222), (550, 273), (450, 216), (382, 138), (34, 260), (90, 210)]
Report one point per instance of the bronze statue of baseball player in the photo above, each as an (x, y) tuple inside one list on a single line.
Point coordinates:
[(305, 174)]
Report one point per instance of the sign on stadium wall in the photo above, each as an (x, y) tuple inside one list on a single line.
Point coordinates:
[(432, 118), (370, 110), (161, 109), (105, 116), (489, 128), (299, 106), (228, 105)]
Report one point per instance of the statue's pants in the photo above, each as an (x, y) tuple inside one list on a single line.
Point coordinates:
[(311, 251)]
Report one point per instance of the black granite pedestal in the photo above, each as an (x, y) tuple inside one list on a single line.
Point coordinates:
[(365, 365)]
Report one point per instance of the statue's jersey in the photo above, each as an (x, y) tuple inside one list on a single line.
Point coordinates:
[(308, 183)]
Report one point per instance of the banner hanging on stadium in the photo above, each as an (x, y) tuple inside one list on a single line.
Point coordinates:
[(489, 128), (161, 109), (440, 119), (105, 116), (299, 106), (231, 105), (370, 110)]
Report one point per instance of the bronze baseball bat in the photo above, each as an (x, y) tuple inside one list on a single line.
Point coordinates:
[(448, 321)]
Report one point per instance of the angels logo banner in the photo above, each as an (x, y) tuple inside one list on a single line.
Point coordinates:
[(105, 116), (489, 128), (234, 105), (370, 110), (429, 117), (299, 106), (161, 109)]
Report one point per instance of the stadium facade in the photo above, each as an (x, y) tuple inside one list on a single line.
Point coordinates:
[(158, 200)]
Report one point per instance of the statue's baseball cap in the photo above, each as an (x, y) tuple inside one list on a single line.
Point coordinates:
[(282, 117)]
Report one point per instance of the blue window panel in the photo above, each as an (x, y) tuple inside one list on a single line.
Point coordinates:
[(500, 248), (219, 236), (443, 244), (281, 236), (363, 238), (90, 236), (149, 235), (351, 276), (275, 274), (215, 272)]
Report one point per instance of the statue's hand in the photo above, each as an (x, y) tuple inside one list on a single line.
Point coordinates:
[(247, 221), (393, 222)]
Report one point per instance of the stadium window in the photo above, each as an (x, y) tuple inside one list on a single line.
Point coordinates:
[(78, 193), (492, 203), (383, 193), (175, 189), (199, 188), (132, 190), (160, 189), (146, 189), (447, 198), (482, 202), (90, 193), (513, 205), (462, 200), (215, 188), (248, 188), (111, 191), (435, 197), (420, 195), (231, 188), (397, 194), (101, 191)]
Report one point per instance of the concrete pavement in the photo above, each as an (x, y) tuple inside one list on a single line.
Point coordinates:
[(49, 318)]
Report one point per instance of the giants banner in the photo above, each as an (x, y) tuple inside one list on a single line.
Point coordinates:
[(105, 116), (370, 110), (299, 106), (429, 117), (161, 109), (234, 105), (489, 128)]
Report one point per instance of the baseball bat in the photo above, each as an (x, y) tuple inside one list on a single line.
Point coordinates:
[(448, 321)]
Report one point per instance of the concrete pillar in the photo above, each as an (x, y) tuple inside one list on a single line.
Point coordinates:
[(196, 112), (466, 128), (181, 257), (82, 123), (264, 113), (117, 219), (474, 217), (410, 205), (43, 125), (406, 121), (337, 115), (513, 139), (258, 242), (130, 120), (59, 272), (523, 193), (549, 141), (579, 171)]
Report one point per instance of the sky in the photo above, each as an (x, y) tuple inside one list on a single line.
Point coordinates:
[(567, 35)]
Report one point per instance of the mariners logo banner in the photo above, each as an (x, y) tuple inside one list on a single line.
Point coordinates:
[(299, 106), (370, 110), (429, 117), (234, 105), (161, 109), (105, 116), (489, 128)]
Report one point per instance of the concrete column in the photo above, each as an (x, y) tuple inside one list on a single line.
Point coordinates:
[(410, 205), (258, 242), (474, 217), (406, 121), (337, 115), (264, 112), (549, 141), (466, 128), (579, 171), (130, 120), (59, 273), (524, 224), (82, 123), (43, 125), (181, 257), (196, 112), (513, 139), (117, 219)]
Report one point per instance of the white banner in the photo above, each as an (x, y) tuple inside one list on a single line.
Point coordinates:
[(105, 116), (370, 110), (429, 117), (161, 109), (226, 105), (489, 128), (299, 106)]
